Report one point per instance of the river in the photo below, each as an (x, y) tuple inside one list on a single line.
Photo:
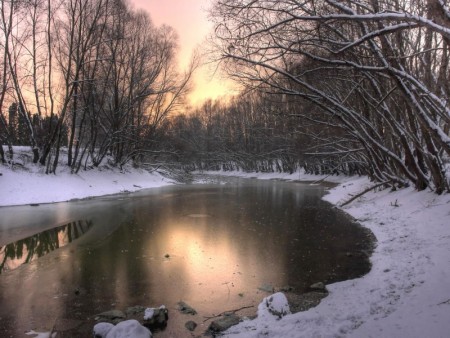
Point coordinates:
[(218, 247)]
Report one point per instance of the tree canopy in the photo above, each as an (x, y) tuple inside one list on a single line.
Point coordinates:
[(378, 70)]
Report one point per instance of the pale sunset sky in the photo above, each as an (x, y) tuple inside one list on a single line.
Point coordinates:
[(190, 20)]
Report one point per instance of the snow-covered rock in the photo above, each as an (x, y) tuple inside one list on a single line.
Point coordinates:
[(36, 334), (102, 329), (156, 317), (275, 305), (126, 329), (149, 312)]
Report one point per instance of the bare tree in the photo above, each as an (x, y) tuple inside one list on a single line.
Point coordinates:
[(96, 67), (377, 69), (16, 35), (137, 86)]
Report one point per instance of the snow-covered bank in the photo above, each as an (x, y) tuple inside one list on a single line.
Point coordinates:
[(31, 185), (406, 294)]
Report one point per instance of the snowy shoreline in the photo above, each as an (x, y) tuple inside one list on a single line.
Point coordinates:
[(405, 294), (21, 187)]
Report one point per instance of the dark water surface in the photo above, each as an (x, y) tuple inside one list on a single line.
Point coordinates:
[(213, 246)]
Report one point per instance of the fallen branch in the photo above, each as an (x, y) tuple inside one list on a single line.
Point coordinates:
[(227, 312), (364, 192)]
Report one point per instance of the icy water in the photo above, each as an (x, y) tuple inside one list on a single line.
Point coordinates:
[(217, 247)]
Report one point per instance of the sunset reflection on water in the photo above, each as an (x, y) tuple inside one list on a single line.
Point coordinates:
[(216, 247)]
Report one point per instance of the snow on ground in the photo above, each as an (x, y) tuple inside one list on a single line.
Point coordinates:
[(296, 176), (32, 185), (406, 294)]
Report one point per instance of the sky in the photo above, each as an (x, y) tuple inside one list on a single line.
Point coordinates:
[(190, 19)]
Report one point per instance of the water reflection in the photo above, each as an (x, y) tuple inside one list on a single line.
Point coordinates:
[(26, 250), (212, 246)]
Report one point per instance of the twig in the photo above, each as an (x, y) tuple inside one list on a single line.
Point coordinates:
[(395, 204), (225, 312), (364, 192), (445, 302)]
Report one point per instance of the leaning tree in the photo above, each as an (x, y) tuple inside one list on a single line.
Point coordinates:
[(377, 69)]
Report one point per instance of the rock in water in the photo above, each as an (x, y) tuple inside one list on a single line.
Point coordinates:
[(134, 310), (113, 316), (102, 329), (184, 308), (149, 313), (190, 325), (266, 288), (129, 329), (318, 287), (156, 318), (126, 329), (223, 323)]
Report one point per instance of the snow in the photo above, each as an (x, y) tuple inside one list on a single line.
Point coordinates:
[(149, 312), (36, 334), (406, 293), (126, 329), (32, 185), (273, 307), (102, 329)]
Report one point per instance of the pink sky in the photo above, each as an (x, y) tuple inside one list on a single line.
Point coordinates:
[(189, 19)]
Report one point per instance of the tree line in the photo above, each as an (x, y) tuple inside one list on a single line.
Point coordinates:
[(95, 75), (375, 71), (254, 132)]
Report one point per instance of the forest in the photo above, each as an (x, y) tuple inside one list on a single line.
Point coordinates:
[(330, 87), (93, 76)]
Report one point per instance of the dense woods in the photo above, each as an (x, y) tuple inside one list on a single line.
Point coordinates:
[(93, 75), (254, 132)]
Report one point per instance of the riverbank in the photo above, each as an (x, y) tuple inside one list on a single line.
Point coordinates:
[(32, 186), (406, 293)]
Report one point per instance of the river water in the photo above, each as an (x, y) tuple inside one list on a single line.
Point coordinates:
[(216, 247)]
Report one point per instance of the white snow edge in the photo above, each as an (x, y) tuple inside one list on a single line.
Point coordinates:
[(19, 187)]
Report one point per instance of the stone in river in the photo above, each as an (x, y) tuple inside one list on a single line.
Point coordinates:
[(156, 318), (190, 325), (223, 323), (185, 308), (318, 287), (113, 316)]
